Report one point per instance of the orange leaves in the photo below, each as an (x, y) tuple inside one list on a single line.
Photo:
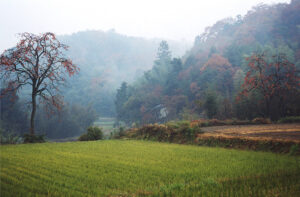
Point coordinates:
[(271, 79), (57, 102), (48, 36), (5, 61), (51, 76), (26, 59), (70, 67), (218, 62), (38, 48), (38, 61), (251, 80)]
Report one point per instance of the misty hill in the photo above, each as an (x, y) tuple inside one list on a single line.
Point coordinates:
[(105, 60), (207, 81)]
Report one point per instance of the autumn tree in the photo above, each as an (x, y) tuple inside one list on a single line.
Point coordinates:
[(38, 61), (275, 78), (217, 74)]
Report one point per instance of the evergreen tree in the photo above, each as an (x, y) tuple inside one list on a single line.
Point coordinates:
[(211, 105), (121, 98), (163, 53)]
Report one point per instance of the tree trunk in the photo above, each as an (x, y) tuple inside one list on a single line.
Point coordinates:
[(33, 113)]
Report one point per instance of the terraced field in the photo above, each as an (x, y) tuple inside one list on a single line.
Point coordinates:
[(282, 132), (141, 168)]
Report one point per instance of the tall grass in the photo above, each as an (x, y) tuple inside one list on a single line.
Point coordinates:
[(141, 168)]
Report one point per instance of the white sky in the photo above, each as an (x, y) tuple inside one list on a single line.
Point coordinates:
[(169, 19)]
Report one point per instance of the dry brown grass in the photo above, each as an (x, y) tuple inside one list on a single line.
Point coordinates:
[(277, 132)]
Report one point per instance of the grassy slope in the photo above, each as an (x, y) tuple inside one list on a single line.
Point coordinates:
[(137, 167)]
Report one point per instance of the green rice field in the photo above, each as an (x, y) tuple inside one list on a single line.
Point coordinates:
[(143, 168)]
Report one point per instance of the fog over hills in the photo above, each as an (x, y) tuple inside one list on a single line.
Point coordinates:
[(123, 57), (214, 77), (106, 59)]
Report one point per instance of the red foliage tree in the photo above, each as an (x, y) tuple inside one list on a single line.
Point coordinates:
[(37, 61), (274, 80), (217, 62)]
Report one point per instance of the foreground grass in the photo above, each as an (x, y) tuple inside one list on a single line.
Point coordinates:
[(139, 168)]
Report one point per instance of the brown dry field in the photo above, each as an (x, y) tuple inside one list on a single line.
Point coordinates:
[(281, 132)]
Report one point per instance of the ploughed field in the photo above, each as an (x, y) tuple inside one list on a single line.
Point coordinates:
[(143, 168), (280, 132)]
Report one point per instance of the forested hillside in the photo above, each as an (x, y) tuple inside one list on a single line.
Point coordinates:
[(242, 67), (105, 60)]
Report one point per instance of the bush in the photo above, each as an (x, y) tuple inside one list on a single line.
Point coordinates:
[(261, 121), (294, 149), (93, 133), (185, 129), (290, 119), (118, 133), (9, 138), (29, 138), (181, 131), (121, 132), (153, 132)]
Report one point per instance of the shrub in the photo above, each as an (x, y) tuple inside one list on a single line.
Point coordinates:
[(153, 132), (290, 119), (29, 138), (261, 121), (9, 138), (294, 149), (216, 122), (182, 131), (121, 131), (187, 129), (93, 133), (118, 133), (204, 124)]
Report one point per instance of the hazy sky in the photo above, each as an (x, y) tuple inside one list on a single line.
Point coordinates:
[(170, 19)]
